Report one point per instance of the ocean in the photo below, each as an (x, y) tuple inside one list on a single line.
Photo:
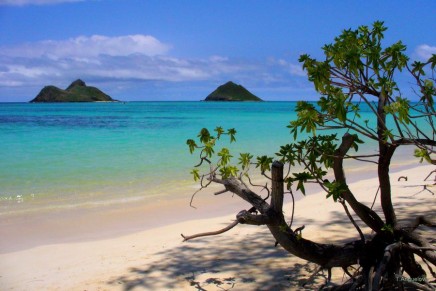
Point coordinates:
[(73, 154)]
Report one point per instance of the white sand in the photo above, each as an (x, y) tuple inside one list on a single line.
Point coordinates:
[(156, 258)]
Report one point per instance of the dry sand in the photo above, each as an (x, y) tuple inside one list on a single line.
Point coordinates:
[(111, 256)]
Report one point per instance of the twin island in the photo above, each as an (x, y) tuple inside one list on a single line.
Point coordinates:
[(78, 91)]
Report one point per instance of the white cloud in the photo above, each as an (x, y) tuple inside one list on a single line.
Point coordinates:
[(20, 71), (425, 51), (34, 2), (295, 70), (89, 47), (128, 60), (129, 57), (218, 59), (97, 56)]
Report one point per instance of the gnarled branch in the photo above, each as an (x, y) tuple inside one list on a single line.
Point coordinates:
[(325, 255), (365, 213), (245, 217)]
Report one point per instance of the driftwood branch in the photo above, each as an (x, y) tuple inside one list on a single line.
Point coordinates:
[(221, 192), (413, 238), (420, 220), (210, 233)]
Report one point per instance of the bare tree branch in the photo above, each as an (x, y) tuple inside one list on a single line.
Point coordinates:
[(210, 233), (362, 237)]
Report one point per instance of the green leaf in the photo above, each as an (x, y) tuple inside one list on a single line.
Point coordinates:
[(208, 149), (418, 68), (423, 155), (387, 134), (245, 160), (228, 171), (428, 91), (192, 145), (232, 133), (219, 130), (264, 162), (287, 154), (204, 135), (356, 141), (432, 61), (195, 173), (400, 108), (388, 228), (300, 178), (335, 189), (225, 156), (308, 118)]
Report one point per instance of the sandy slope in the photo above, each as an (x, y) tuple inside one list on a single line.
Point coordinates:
[(242, 259)]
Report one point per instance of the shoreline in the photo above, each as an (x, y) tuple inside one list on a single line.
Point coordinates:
[(104, 219), (110, 254), (155, 258)]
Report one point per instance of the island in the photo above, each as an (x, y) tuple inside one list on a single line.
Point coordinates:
[(78, 91), (231, 92)]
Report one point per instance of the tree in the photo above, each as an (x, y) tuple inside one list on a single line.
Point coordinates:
[(357, 72)]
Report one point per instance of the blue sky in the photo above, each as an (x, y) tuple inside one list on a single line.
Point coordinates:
[(182, 50)]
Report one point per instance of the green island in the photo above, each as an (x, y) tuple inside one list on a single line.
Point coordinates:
[(231, 92), (78, 91)]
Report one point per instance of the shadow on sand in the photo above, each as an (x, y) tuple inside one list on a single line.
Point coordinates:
[(239, 260), (232, 261)]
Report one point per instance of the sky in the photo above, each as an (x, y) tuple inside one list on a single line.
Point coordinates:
[(162, 50)]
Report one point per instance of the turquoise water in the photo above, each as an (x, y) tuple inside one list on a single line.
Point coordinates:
[(114, 151), (119, 150)]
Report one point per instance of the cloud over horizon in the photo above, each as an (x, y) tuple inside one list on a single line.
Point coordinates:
[(89, 47), (34, 2), (132, 60), (128, 58)]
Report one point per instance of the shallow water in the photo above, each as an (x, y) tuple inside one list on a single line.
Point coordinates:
[(72, 154)]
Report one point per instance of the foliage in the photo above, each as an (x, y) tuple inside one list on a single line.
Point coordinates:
[(357, 72)]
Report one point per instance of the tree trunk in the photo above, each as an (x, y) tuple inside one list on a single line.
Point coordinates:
[(368, 216), (386, 152), (326, 255)]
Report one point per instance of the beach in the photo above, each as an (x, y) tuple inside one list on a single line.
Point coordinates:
[(129, 135), (140, 248)]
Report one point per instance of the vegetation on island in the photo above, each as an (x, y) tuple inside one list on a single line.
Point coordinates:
[(357, 71), (231, 92), (78, 91)]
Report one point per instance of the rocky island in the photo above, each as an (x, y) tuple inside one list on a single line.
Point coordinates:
[(78, 91), (231, 92)]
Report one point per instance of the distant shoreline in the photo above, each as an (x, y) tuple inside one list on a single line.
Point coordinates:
[(170, 101)]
